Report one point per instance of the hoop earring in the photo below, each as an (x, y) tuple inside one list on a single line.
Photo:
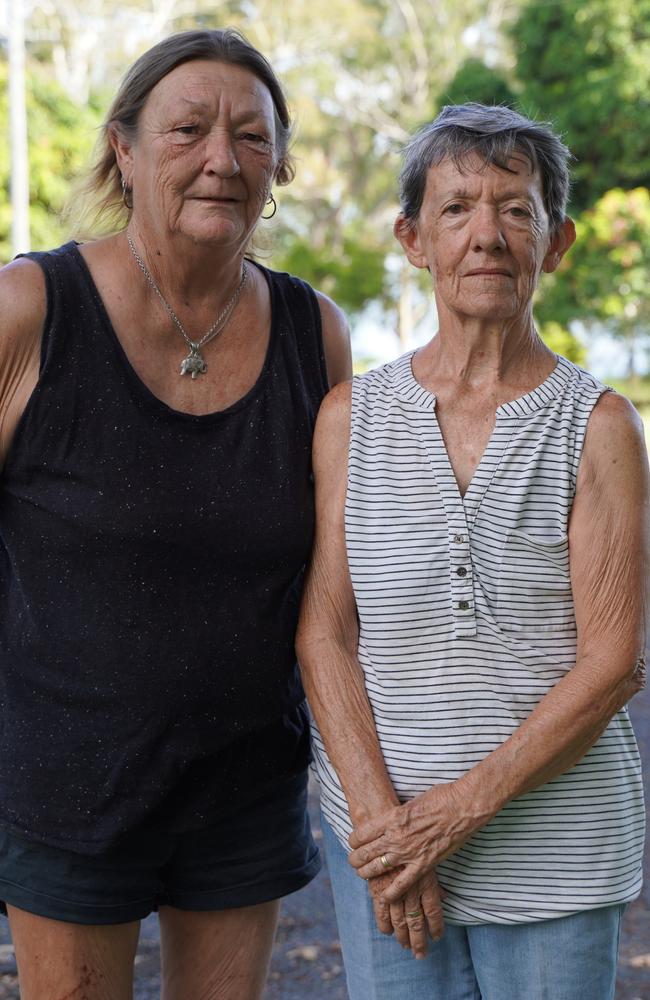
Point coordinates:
[(273, 202), (127, 194)]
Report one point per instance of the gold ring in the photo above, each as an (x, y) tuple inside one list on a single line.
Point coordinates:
[(385, 862), (414, 913)]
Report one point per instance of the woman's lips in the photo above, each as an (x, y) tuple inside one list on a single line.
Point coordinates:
[(488, 272)]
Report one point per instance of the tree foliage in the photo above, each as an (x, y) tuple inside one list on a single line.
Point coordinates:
[(585, 64), (604, 278), (474, 81), (358, 95), (61, 136), (361, 75)]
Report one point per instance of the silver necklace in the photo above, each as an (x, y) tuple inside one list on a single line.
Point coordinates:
[(194, 364)]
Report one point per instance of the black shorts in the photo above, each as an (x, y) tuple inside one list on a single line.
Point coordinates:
[(257, 852)]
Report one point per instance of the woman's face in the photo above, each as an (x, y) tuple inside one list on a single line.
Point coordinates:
[(204, 158), (483, 232)]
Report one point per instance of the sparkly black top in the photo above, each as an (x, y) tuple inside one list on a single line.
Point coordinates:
[(151, 564)]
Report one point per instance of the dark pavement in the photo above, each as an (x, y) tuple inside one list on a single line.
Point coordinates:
[(307, 960)]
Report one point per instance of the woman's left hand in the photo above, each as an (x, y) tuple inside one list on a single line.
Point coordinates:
[(415, 836), (418, 916)]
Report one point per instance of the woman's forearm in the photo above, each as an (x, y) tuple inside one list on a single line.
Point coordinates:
[(335, 688), (563, 727), (436, 823), (328, 630)]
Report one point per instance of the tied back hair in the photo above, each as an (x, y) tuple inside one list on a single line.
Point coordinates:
[(97, 206)]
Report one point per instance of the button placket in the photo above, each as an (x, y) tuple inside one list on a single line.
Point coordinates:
[(458, 542), (461, 576)]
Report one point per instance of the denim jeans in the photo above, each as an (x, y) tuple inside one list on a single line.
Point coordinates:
[(567, 958)]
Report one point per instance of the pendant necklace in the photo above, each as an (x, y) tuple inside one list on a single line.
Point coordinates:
[(194, 364)]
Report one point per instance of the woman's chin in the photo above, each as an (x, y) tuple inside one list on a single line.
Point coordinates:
[(216, 233)]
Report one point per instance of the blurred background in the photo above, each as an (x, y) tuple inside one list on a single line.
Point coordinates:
[(360, 76)]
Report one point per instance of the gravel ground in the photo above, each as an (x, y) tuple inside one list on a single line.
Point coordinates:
[(307, 962)]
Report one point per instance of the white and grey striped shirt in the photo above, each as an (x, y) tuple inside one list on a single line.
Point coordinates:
[(466, 621)]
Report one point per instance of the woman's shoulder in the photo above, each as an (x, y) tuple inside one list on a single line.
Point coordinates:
[(23, 309), (336, 339), (606, 420), (25, 285), (615, 418), (383, 379), (292, 284), (326, 315), (284, 281), (23, 305), (580, 379)]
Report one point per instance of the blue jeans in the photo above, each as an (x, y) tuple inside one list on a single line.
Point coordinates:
[(568, 958)]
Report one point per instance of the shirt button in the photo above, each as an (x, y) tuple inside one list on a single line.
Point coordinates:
[(461, 571), (459, 539), (463, 605)]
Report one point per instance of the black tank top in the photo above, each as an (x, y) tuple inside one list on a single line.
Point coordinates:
[(151, 564)]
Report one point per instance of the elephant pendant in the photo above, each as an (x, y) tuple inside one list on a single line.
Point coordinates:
[(193, 364)]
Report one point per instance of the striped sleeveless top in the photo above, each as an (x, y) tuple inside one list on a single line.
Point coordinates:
[(466, 621)]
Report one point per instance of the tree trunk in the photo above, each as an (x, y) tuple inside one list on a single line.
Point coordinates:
[(631, 362), (18, 129)]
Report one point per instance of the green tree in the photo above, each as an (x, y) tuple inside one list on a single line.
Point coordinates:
[(474, 81), (585, 65), (361, 96), (603, 280), (361, 75), (61, 135), (561, 340)]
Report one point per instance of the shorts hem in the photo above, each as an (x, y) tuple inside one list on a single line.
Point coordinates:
[(70, 911), (104, 914), (251, 894)]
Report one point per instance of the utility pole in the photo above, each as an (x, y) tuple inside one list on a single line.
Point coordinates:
[(19, 172)]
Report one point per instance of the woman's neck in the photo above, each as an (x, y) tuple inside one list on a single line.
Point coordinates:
[(497, 357), (186, 271)]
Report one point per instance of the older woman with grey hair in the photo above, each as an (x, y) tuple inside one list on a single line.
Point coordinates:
[(473, 624)]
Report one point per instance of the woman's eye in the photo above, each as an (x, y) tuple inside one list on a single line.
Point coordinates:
[(518, 212), (187, 129), (254, 137), (454, 209)]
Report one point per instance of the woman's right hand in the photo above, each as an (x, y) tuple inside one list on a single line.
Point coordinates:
[(414, 917)]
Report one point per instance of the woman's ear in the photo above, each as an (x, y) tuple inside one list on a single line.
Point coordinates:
[(406, 231), (123, 153), (563, 239)]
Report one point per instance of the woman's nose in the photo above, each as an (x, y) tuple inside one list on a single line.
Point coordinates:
[(487, 233), (220, 154)]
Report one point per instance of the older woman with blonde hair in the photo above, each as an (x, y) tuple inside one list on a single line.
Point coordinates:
[(158, 395)]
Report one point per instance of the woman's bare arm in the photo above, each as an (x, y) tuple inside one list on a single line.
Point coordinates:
[(22, 313), (328, 629), (327, 641), (336, 340)]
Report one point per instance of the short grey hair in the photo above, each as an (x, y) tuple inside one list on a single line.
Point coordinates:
[(493, 134)]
